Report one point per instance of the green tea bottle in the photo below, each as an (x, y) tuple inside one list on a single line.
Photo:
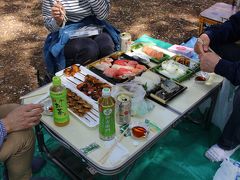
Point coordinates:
[(106, 105), (58, 94)]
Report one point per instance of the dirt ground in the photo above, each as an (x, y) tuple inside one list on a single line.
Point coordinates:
[(22, 34)]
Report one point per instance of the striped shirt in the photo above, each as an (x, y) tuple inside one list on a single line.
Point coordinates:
[(76, 10), (3, 133)]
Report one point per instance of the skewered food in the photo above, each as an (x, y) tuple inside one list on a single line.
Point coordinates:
[(77, 104), (152, 52), (92, 87), (72, 70)]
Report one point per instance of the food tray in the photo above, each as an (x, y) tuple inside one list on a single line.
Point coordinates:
[(191, 64), (115, 56), (91, 119), (138, 48), (172, 75), (166, 91)]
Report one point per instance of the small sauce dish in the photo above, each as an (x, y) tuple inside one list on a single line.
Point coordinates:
[(201, 77)]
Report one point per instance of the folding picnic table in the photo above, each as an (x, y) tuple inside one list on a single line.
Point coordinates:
[(76, 135)]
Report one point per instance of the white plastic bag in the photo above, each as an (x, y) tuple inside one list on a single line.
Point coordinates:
[(140, 105), (224, 104), (229, 170)]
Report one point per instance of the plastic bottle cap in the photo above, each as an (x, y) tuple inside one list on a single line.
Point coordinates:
[(106, 92), (56, 81)]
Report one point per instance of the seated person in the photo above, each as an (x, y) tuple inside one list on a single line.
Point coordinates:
[(17, 138), (226, 63), (78, 49)]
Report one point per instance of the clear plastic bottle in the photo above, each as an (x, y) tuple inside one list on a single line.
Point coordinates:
[(106, 105), (58, 94)]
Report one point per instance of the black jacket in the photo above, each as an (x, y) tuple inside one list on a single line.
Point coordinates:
[(227, 32)]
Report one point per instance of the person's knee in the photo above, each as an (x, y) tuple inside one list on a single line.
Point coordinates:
[(6, 108), (91, 50), (105, 44), (83, 49), (18, 143)]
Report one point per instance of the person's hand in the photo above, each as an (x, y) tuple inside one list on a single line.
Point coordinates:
[(23, 117), (208, 61), (57, 12), (202, 44)]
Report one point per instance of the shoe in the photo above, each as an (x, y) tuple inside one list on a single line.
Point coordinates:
[(5, 174), (37, 164), (217, 154)]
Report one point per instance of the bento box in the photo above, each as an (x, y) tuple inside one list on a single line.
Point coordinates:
[(117, 67), (159, 88), (173, 70), (191, 64), (151, 52)]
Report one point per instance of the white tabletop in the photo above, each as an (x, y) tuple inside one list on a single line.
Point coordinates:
[(194, 93), (78, 135)]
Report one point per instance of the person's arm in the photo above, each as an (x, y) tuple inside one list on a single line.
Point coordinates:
[(100, 8), (229, 31), (3, 133), (49, 22), (230, 70)]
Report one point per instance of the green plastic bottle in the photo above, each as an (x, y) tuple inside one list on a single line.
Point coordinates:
[(58, 94), (106, 105)]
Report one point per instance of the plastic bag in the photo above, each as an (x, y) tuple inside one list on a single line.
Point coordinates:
[(224, 104), (140, 105), (85, 31), (229, 170)]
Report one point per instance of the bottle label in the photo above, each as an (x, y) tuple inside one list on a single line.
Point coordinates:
[(60, 111), (107, 121)]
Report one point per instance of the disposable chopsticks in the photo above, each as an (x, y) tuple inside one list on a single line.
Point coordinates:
[(201, 41), (34, 95), (106, 154), (65, 18)]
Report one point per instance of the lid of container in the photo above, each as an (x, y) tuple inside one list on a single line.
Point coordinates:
[(106, 92), (56, 81)]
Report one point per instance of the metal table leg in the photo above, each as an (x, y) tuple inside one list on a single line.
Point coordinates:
[(43, 148)]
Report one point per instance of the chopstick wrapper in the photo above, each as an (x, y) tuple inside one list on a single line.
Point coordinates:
[(118, 153)]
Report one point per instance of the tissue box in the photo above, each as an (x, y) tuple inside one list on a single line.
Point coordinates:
[(178, 49)]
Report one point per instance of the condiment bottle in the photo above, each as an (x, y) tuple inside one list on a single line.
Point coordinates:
[(58, 94), (106, 105)]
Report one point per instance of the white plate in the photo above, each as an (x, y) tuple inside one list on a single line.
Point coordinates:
[(91, 119)]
